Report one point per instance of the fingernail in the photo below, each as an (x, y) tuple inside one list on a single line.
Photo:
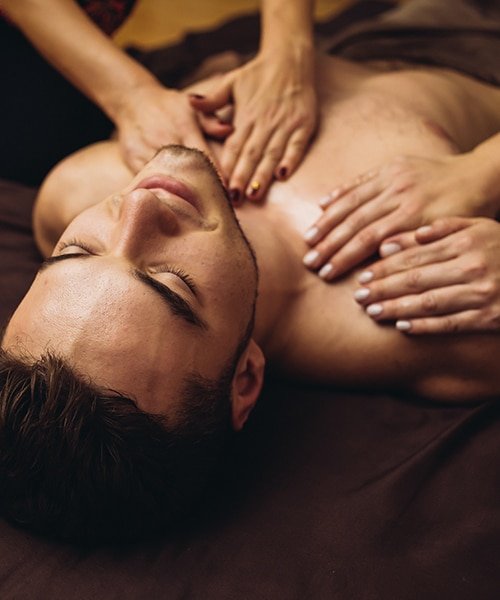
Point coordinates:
[(374, 310), (197, 96), (365, 277), (311, 257), (325, 271), (390, 248), (311, 233), (282, 173), (424, 230), (361, 294), (329, 198), (252, 193), (403, 325), (234, 194)]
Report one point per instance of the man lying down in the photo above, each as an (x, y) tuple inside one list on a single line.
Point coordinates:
[(141, 342)]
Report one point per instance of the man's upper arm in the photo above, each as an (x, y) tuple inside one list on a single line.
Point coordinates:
[(75, 184)]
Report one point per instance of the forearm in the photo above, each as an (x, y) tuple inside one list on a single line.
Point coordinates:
[(69, 40), (287, 25), (486, 158)]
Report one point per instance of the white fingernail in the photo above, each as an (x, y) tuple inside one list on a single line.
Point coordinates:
[(311, 234), (365, 277), (403, 325), (424, 230), (390, 248), (374, 309), (310, 257), (330, 197), (326, 270), (361, 294)]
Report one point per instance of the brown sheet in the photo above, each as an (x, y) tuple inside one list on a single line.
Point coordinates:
[(463, 35), (325, 495)]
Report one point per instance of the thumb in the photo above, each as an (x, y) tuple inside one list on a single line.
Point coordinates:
[(218, 98)]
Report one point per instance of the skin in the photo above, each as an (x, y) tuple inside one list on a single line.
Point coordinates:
[(148, 115), (362, 217), (93, 311), (443, 277), (275, 105), (308, 330)]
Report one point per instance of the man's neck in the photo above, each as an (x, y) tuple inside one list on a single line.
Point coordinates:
[(277, 245)]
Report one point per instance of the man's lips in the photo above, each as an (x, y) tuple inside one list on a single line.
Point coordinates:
[(172, 186)]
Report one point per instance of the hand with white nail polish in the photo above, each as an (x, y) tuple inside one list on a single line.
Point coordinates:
[(444, 278), (407, 193)]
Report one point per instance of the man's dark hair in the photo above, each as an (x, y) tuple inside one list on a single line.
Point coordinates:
[(87, 465)]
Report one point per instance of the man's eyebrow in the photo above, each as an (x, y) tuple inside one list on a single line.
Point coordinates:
[(174, 301)]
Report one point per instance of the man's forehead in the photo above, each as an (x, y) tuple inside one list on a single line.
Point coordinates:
[(122, 350)]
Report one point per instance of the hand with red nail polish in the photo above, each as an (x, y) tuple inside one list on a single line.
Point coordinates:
[(274, 100)]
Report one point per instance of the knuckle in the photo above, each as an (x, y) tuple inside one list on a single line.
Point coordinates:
[(346, 231), (429, 302), (464, 243), (368, 237), (354, 197), (493, 318), (413, 278), (413, 259), (251, 152), (297, 144), (232, 146), (450, 325), (273, 153), (487, 290), (476, 268)]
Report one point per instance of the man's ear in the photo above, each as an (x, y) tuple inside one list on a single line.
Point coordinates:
[(247, 384)]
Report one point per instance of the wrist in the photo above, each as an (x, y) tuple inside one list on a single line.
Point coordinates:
[(291, 46), (485, 169), (290, 58), (116, 100)]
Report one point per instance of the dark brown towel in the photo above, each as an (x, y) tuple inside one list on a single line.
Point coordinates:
[(458, 34), (326, 495)]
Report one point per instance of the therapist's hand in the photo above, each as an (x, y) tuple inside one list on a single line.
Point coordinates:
[(442, 278), (153, 116), (275, 115), (408, 192)]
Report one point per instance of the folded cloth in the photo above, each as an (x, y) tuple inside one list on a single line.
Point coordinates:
[(458, 34)]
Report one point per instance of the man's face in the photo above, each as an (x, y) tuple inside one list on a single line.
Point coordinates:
[(150, 285)]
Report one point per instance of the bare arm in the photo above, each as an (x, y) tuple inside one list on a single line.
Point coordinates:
[(146, 114), (69, 40), (78, 182)]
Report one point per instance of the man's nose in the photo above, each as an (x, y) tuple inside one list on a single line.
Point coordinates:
[(143, 219)]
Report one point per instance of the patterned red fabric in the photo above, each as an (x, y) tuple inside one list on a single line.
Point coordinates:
[(108, 15)]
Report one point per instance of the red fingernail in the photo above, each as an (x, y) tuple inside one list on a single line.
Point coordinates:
[(234, 195), (282, 173), (197, 96)]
